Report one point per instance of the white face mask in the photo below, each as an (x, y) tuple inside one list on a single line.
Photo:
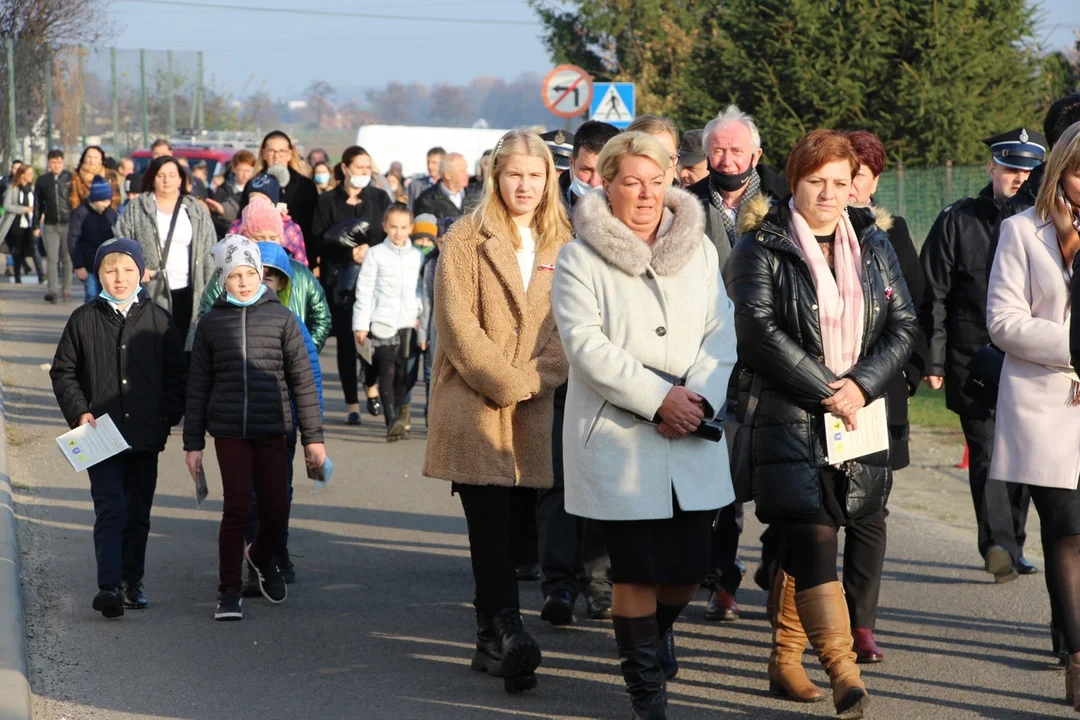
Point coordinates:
[(359, 181), (579, 187)]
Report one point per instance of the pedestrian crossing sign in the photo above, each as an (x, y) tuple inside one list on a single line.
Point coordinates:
[(613, 103)]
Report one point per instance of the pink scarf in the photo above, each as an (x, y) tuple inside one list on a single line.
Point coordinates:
[(839, 292)]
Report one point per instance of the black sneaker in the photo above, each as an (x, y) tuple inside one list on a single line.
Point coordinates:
[(250, 588), (109, 601), (353, 419), (134, 597), (285, 566), (271, 584), (230, 606), (374, 406)]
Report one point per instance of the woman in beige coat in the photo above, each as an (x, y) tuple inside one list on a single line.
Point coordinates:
[(497, 364), (649, 333), (1037, 440)]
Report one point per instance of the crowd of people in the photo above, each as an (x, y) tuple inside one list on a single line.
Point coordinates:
[(624, 337)]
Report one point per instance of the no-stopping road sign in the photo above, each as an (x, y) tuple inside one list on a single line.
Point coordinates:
[(567, 91)]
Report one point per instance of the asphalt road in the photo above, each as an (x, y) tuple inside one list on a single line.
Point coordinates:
[(379, 624)]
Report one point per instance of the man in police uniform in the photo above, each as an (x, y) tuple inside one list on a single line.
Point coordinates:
[(561, 145), (953, 314)]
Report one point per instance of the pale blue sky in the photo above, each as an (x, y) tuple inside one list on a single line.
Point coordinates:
[(241, 46)]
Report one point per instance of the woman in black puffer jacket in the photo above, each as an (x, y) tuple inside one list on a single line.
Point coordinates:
[(825, 321), (249, 355)]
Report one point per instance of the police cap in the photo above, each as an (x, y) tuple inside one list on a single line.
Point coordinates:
[(561, 144), (1021, 148)]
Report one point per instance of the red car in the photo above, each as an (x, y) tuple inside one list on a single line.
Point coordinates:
[(216, 158)]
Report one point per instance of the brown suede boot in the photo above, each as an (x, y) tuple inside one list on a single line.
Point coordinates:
[(824, 614), (1072, 681), (786, 674)]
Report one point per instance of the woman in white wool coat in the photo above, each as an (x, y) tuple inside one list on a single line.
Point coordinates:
[(1037, 439), (648, 331)]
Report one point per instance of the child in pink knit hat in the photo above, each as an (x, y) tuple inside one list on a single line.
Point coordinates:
[(262, 222)]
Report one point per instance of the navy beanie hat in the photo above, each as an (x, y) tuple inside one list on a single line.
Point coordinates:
[(121, 245), (99, 189), (266, 184)]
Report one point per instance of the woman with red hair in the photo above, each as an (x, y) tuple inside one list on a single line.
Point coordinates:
[(824, 323)]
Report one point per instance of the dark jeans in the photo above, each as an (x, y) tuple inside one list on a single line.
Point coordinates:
[(573, 555), (256, 464), (341, 321), (1000, 507), (864, 559), (283, 543), (391, 364), (489, 515), (122, 488), (725, 574)]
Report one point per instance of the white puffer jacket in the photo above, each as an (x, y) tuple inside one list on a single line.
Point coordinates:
[(388, 290)]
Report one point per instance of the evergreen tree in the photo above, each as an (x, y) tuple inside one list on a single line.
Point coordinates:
[(647, 42), (930, 77)]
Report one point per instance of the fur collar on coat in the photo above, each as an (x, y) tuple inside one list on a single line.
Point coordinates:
[(755, 212), (675, 243)]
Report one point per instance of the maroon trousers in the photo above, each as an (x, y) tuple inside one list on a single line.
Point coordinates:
[(259, 465)]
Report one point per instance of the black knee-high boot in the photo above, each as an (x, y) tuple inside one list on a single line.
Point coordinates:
[(639, 653), (666, 615)]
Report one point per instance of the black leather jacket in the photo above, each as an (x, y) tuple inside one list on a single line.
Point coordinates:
[(779, 338)]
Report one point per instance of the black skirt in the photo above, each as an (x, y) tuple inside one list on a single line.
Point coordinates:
[(672, 551), (1059, 511)]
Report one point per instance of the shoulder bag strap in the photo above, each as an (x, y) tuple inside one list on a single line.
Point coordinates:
[(169, 237)]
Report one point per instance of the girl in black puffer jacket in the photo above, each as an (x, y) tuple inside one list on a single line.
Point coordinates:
[(248, 356), (824, 322)]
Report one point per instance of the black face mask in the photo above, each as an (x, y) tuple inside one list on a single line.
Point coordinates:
[(729, 182)]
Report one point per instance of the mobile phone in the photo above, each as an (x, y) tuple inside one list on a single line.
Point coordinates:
[(1073, 209)]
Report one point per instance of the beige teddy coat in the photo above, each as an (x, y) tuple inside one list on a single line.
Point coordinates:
[(498, 344)]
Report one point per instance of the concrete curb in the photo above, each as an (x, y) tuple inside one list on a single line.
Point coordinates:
[(14, 672)]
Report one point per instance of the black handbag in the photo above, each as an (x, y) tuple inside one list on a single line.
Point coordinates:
[(739, 426), (984, 375)]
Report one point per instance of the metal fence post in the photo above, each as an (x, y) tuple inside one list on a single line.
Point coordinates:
[(200, 95), (900, 188), (10, 42), (170, 89), (115, 102), (82, 95), (48, 99), (142, 92), (948, 183)]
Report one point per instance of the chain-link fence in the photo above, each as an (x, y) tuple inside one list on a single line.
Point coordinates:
[(919, 194), (70, 97)]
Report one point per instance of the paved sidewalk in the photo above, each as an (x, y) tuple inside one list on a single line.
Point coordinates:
[(379, 624)]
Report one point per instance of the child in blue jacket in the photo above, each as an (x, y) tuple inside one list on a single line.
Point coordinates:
[(277, 276)]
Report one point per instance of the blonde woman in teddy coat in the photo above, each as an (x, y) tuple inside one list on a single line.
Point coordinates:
[(496, 367), (648, 330)]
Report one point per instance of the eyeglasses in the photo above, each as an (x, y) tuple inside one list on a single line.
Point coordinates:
[(282, 151), (674, 159)]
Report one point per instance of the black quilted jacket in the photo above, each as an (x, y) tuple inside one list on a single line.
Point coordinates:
[(779, 337), (243, 364), (129, 368)]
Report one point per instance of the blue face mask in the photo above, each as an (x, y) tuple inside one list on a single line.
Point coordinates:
[(104, 295), (322, 178), (241, 303)]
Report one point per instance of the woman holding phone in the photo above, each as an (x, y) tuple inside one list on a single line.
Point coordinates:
[(1037, 437)]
